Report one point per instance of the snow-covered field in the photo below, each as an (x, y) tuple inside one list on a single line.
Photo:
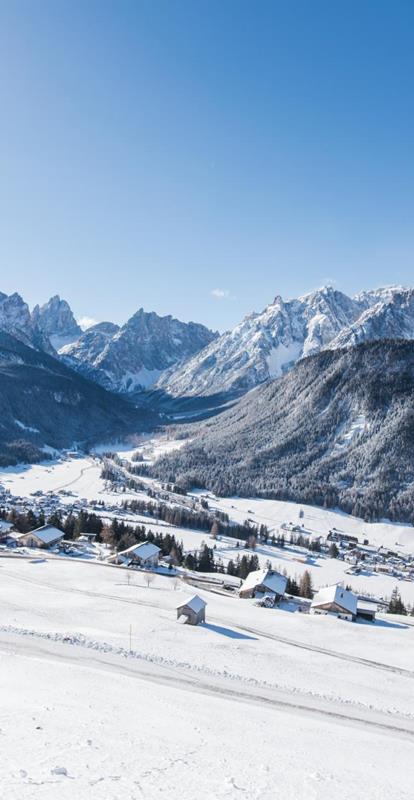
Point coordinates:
[(104, 695)]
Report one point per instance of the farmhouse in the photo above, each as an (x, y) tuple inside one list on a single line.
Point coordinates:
[(335, 600), (145, 554), (193, 611), (46, 536), (263, 581)]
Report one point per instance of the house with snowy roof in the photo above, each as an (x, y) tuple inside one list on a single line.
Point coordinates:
[(45, 536), (263, 581), (192, 611), (335, 600), (145, 554)]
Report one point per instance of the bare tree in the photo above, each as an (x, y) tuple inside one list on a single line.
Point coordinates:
[(149, 578)]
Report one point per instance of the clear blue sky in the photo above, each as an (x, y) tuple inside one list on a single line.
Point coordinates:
[(153, 152)]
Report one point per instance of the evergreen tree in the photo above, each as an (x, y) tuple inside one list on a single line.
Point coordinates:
[(333, 550), (305, 585), (396, 605)]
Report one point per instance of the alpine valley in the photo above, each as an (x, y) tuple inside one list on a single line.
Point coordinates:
[(330, 419)]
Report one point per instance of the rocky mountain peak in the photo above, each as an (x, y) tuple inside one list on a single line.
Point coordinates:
[(56, 321)]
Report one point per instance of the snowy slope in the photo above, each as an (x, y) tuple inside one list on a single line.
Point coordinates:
[(105, 696)]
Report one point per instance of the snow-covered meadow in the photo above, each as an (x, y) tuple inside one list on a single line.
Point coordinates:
[(105, 695)]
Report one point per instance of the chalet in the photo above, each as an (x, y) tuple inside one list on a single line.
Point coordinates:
[(145, 555), (45, 536), (263, 581), (193, 611), (335, 600)]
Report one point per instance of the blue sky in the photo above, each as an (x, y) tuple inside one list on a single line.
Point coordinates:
[(199, 157)]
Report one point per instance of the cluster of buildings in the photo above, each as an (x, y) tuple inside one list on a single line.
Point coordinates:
[(361, 556), (268, 587)]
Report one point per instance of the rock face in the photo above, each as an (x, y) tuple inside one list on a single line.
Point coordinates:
[(389, 315), (132, 358), (56, 321), (189, 362), (337, 429), (15, 317), (266, 345)]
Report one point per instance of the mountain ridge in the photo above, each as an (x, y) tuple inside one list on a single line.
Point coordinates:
[(264, 345)]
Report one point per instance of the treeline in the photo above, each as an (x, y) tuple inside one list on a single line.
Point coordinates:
[(183, 517)]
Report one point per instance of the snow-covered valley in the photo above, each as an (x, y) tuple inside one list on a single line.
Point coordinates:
[(105, 695)]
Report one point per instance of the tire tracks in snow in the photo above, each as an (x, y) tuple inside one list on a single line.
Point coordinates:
[(89, 656), (366, 662)]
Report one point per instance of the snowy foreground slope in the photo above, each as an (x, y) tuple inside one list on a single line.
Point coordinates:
[(257, 703)]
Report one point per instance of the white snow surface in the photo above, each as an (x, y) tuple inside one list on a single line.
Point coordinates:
[(105, 696)]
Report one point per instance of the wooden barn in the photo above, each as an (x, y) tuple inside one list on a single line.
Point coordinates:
[(46, 536), (145, 555), (263, 581), (335, 600), (193, 611)]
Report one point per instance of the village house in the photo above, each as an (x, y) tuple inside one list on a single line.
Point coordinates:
[(263, 581), (144, 555), (193, 611), (45, 536), (337, 601)]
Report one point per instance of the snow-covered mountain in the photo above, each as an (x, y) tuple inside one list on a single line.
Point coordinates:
[(265, 345), (56, 321), (15, 317), (45, 328), (187, 360), (391, 316), (133, 357)]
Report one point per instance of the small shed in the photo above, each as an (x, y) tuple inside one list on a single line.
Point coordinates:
[(45, 536), (264, 581), (193, 611)]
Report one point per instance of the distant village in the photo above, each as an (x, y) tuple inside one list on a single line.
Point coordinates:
[(246, 578)]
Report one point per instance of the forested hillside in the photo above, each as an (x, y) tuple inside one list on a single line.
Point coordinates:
[(44, 403), (338, 430)]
